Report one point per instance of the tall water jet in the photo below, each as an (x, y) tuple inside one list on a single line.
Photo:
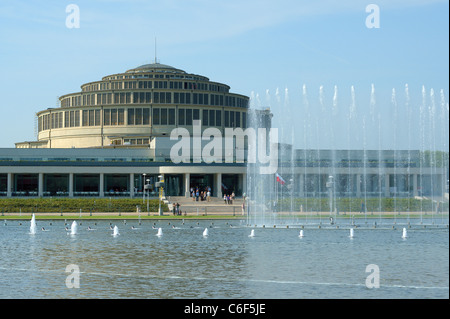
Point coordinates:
[(268, 100), (73, 228), (422, 143), (33, 225), (404, 233), (352, 233), (335, 100), (160, 232), (205, 232), (352, 120), (432, 144), (372, 101), (394, 187), (408, 114), (444, 138), (252, 233), (301, 235)]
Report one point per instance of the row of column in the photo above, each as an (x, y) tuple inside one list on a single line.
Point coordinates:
[(131, 189)]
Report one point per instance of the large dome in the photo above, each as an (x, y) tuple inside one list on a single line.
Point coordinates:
[(155, 67)]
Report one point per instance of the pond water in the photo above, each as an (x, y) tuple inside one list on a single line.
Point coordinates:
[(182, 263)]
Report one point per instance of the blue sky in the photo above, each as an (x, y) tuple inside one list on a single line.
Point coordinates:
[(256, 47)]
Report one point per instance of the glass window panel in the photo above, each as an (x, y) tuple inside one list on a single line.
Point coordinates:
[(107, 117), (171, 117), (66, 119), (155, 116), (97, 117), (85, 118), (146, 116), (196, 114), (77, 118), (205, 118), (91, 117), (113, 116), (138, 117), (121, 116), (218, 118), (227, 118), (164, 116), (130, 120), (181, 117), (212, 118), (188, 116)]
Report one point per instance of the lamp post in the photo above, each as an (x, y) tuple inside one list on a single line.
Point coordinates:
[(330, 185), (143, 189), (160, 186), (147, 187)]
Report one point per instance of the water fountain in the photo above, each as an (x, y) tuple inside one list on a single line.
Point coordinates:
[(116, 231), (404, 233), (386, 153), (73, 228), (33, 225), (352, 233), (205, 232), (301, 234), (160, 232), (252, 233)]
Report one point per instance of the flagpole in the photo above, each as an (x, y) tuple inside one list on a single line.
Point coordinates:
[(276, 205)]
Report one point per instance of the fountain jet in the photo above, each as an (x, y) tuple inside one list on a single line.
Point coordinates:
[(404, 233), (116, 231), (33, 225), (73, 228), (352, 233)]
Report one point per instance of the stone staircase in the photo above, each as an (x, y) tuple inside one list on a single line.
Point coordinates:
[(216, 206)]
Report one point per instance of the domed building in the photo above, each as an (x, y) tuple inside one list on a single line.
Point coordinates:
[(134, 107), (113, 137)]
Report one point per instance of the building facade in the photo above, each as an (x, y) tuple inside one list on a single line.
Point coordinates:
[(113, 137)]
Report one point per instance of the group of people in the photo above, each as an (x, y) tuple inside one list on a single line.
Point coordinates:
[(203, 195), (176, 211), (228, 199)]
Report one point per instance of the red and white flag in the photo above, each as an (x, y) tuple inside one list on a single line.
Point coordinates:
[(280, 179)]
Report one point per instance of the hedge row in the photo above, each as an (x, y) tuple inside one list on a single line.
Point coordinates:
[(75, 204)]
